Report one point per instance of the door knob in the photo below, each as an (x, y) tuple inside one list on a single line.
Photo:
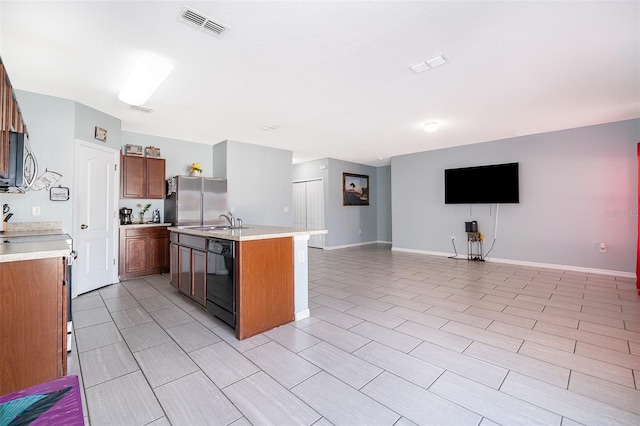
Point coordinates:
[(83, 226)]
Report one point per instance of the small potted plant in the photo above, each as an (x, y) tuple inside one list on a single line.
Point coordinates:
[(196, 169), (142, 211)]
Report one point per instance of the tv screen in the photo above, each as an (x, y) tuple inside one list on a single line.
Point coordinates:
[(496, 183)]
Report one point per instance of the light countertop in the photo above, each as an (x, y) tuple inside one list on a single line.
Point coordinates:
[(249, 232), (12, 252)]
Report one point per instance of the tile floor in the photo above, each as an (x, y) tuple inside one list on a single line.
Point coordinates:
[(393, 339)]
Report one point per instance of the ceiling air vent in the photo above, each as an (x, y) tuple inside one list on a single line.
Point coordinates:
[(140, 108), (201, 21)]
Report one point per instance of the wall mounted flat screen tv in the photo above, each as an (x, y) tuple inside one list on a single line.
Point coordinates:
[(496, 183)]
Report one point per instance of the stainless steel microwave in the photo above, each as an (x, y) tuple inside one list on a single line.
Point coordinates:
[(23, 166)]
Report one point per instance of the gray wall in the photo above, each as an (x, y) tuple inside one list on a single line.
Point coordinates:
[(86, 120), (219, 159), (54, 124), (578, 188), (383, 203), (259, 183), (344, 222)]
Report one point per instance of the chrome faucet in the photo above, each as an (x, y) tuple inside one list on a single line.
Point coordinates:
[(230, 219)]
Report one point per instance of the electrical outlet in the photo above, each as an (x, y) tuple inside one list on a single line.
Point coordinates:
[(453, 238), (35, 211), (602, 248), (360, 231)]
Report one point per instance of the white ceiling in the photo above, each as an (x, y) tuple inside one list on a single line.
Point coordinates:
[(334, 75)]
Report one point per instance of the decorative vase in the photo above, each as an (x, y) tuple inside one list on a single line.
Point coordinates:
[(141, 217), (196, 173)]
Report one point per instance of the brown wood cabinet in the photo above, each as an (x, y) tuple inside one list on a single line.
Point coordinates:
[(265, 285), (144, 250), (10, 117), (33, 322), (142, 177), (189, 266)]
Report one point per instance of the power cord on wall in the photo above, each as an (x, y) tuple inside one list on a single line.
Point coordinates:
[(495, 232), (453, 243)]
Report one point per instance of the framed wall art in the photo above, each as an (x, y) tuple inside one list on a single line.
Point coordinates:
[(100, 134), (355, 190), (59, 193)]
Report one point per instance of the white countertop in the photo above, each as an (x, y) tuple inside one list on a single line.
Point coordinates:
[(12, 252), (249, 232)]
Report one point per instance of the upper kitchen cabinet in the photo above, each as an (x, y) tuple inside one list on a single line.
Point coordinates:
[(10, 117), (142, 177)]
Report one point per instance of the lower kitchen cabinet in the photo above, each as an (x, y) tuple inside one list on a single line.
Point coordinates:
[(33, 322), (144, 250), (189, 267), (265, 285)]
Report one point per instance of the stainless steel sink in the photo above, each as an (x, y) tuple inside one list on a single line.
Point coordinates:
[(218, 228)]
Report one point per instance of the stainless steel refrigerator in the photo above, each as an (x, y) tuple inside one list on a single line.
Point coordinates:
[(195, 201)]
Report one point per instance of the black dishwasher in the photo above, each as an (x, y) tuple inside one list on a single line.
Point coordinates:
[(221, 280)]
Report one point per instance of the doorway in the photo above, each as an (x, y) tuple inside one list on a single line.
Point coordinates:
[(308, 208), (95, 229)]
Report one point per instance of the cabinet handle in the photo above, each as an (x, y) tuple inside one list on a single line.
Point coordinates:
[(83, 226)]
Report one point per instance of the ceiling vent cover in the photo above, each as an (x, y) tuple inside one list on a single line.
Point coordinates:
[(140, 108), (201, 21)]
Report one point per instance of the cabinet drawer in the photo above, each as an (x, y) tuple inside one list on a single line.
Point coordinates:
[(193, 241), (143, 232)]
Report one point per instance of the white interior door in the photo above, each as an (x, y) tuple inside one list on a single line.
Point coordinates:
[(95, 207), (315, 211), (308, 208), (299, 205)]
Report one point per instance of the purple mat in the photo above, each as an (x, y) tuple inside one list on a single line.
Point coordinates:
[(56, 402)]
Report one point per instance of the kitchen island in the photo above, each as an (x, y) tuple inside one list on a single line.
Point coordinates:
[(268, 266)]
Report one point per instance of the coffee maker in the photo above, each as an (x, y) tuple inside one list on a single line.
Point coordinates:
[(125, 216)]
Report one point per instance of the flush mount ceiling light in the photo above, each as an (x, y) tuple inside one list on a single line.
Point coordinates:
[(422, 66), (147, 75), (431, 126)]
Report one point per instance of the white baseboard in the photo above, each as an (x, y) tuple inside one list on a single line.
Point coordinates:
[(365, 243), (622, 274), (302, 315)]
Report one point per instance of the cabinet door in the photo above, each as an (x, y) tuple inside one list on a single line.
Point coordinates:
[(32, 322), (132, 177), (199, 276), (135, 259), (174, 269), (155, 185), (184, 264), (158, 252)]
